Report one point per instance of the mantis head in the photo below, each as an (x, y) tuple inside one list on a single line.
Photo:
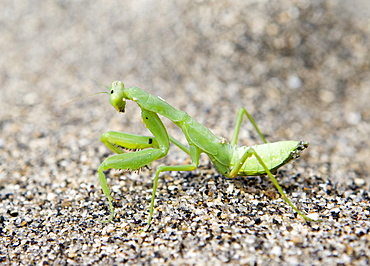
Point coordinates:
[(117, 96)]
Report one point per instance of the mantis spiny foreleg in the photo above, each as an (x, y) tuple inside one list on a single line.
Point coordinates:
[(135, 160)]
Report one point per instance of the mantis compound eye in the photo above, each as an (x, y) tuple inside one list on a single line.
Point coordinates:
[(112, 91)]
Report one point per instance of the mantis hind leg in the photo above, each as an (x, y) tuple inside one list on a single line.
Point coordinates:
[(239, 119), (252, 152)]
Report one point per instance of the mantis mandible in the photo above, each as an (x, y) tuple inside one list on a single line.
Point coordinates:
[(229, 159)]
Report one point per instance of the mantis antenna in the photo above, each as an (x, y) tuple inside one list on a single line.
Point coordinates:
[(83, 97), (89, 94)]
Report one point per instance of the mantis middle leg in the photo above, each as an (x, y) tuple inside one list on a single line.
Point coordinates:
[(194, 152)]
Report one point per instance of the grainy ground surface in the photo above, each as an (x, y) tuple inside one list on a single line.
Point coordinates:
[(300, 67)]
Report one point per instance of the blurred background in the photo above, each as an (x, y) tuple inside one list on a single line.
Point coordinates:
[(301, 68)]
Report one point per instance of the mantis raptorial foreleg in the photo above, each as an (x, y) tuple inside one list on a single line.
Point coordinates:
[(118, 142), (135, 160), (155, 148)]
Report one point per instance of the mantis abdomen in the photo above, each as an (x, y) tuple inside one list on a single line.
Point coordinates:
[(274, 155)]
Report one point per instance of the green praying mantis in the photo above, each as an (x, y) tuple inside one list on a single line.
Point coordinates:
[(229, 159)]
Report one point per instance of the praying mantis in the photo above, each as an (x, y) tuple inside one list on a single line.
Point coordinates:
[(228, 158)]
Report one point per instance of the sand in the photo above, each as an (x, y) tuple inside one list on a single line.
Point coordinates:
[(301, 68)]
